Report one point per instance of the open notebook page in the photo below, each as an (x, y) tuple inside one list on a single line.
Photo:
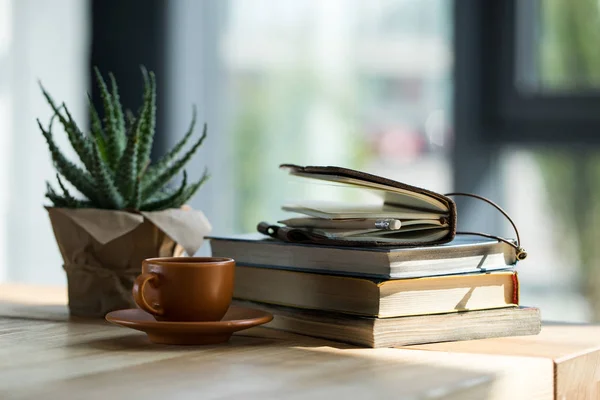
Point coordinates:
[(330, 210), (322, 223), (341, 233), (405, 238), (392, 194)]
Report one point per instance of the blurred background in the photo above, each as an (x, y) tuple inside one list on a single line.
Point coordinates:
[(496, 98)]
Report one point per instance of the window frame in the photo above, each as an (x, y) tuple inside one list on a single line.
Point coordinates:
[(515, 116)]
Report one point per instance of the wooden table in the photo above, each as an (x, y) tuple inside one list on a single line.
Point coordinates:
[(45, 354)]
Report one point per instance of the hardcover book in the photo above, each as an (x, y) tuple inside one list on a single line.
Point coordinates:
[(464, 254), (377, 298), (402, 331)]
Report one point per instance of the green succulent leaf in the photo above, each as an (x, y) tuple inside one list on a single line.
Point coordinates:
[(118, 108), (129, 120), (135, 202), (126, 174), (148, 120), (66, 200), (76, 137), (56, 199), (97, 130), (165, 177), (114, 143), (66, 193), (169, 201), (108, 194), (80, 179), (168, 158), (192, 189), (161, 194)]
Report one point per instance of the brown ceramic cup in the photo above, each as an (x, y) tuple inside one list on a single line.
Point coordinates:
[(185, 288)]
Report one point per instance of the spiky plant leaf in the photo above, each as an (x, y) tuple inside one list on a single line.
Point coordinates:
[(64, 201), (76, 138), (163, 193), (114, 143), (135, 202), (192, 189), (165, 177), (96, 123), (129, 120), (80, 179), (97, 130), (66, 193), (126, 174), (168, 158), (169, 201), (56, 199), (148, 120), (116, 100), (108, 194)]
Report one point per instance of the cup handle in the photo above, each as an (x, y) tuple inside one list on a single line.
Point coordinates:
[(138, 292)]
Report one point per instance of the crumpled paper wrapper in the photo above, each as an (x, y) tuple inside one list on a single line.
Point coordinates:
[(103, 250)]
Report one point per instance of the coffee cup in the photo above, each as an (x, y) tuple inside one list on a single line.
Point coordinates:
[(185, 288)]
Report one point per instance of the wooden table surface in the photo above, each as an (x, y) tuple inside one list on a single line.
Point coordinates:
[(44, 354)]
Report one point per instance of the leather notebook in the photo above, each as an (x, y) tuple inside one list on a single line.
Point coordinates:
[(406, 216)]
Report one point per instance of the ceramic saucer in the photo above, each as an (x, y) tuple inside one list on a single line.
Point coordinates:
[(211, 332)]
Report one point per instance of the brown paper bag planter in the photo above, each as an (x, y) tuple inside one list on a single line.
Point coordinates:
[(102, 251)]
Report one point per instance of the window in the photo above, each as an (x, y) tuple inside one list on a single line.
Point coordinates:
[(32, 47), (535, 102), (556, 50), (362, 84), (5, 120), (540, 71), (555, 206)]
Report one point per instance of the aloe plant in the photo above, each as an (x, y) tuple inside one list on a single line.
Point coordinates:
[(115, 171)]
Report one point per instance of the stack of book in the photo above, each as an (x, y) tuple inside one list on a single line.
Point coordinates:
[(387, 269), (380, 296)]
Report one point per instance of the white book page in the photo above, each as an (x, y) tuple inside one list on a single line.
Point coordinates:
[(332, 210), (408, 237), (391, 194), (375, 233)]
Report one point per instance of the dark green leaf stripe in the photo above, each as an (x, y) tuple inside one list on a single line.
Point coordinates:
[(76, 137), (95, 119), (118, 110), (148, 120), (170, 201), (135, 201), (66, 193), (63, 201), (55, 198), (80, 179), (166, 176), (113, 142), (191, 190), (126, 174), (97, 130), (108, 194), (168, 158)]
